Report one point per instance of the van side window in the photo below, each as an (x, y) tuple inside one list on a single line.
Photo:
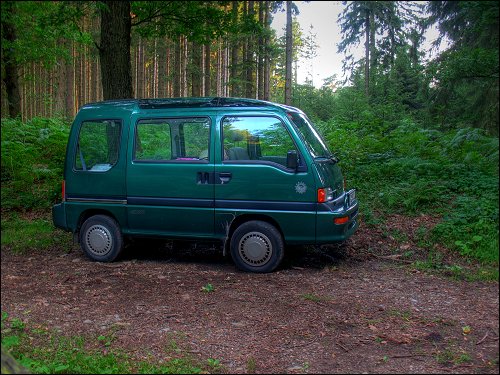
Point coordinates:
[(179, 139), (259, 139), (153, 142), (98, 145)]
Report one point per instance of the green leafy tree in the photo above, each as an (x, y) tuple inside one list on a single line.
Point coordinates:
[(288, 53), (34, 31), (309, 51), (382, 25), (198, 20), (357, 21), (465, 75)]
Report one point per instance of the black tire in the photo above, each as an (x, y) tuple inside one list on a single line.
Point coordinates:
[(101, 239), (257, 246)]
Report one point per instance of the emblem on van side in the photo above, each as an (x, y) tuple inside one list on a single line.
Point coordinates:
[(300, 187)]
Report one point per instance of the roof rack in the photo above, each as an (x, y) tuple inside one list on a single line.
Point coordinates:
[(200, 102)]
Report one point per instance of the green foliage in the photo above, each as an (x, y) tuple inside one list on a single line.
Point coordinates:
[(400, 167), (56, 354), (32, 162), (465, 75), (201, 21), (316, 102), (467, 88), (207, 288), (214, 364), (41, 26), (473, 23)]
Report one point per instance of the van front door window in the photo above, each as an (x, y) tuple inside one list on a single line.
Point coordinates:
[(256, 139)]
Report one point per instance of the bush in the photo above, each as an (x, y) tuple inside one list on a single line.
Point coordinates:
[(412, 170), (32, 162)]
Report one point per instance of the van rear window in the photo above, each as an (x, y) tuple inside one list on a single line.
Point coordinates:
[(98, 145)]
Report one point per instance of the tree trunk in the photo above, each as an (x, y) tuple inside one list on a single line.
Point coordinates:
[(184, 61), (114, 51), (260, 64), (244, 53), (373, 51), (162, 62), (168, 71), (234, 54), (95, 78), (250, 86), (219, 70), (288, 65), (155, 68), (207, 69), (69, 96), (196, 72), (367, 53), (267, 63), (177, 68), (11, 77)]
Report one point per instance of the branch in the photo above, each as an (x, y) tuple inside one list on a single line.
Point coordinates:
[(149, 18), (157, 13)]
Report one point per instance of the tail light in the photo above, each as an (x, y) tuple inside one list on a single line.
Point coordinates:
[(63, 192), (325, 195)]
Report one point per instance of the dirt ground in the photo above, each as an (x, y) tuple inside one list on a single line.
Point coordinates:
[(359, 309)]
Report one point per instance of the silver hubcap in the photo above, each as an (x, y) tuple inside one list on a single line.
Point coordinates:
[(98, 240), (255, 249)]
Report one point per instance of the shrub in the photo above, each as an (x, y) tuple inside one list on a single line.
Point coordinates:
[(32, 162), (412, 170)]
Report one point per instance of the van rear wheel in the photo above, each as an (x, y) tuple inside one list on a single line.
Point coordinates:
[(101, 239), (257, 246)]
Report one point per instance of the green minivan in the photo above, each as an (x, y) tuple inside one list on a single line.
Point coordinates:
[(252, 174)]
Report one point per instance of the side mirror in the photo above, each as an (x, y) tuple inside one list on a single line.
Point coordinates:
[(292, 161)]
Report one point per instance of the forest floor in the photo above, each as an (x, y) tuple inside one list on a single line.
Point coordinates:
[(364, 308)]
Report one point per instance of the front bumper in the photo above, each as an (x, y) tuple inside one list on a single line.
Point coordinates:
[(343, 206)]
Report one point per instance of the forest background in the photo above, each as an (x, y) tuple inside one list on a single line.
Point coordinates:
[(416, 137)]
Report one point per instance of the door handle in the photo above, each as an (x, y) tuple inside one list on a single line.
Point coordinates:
[(203, 178), (225, 177)]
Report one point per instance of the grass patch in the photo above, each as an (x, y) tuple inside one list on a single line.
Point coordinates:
[(21, 235), (452, 356), (313, 297), (456, 272), (45, 352)]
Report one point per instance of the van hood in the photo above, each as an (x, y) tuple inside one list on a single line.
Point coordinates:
[(330, 175)]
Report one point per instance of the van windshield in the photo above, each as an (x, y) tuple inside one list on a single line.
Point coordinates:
[(315, 144)]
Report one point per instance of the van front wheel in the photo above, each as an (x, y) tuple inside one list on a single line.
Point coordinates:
[(257, 246), (101, 239)]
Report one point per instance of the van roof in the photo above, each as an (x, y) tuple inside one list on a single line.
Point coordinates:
[(202, 102)]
